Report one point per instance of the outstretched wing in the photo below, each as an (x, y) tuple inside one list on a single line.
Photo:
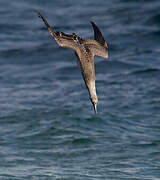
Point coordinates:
[(98, 35), (98, 47), (62, 39), (48, 26)]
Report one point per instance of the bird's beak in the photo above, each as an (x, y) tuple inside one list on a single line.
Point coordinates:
[(95, 107)]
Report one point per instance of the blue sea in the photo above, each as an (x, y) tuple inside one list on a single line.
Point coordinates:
[(48, 129)]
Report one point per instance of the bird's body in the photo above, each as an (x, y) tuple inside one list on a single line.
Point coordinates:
[(85, 51)]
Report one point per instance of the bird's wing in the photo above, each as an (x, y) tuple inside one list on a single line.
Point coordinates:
[(62, 39), (98, 35), (98, 47), (48, 26)]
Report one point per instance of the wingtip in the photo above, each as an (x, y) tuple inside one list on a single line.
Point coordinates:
[(34, 10), (92, 23), (37, 12)]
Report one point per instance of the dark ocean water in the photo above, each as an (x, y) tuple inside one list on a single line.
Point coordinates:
[(48, 129)]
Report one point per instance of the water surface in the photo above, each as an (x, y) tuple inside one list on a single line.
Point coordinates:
[(48, 129)]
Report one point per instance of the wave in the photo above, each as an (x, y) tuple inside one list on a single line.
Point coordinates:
[(146, 71)]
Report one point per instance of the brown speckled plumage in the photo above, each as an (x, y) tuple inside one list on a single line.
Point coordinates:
[(85, 51)]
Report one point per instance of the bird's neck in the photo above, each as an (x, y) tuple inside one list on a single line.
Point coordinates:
[(92, 90)]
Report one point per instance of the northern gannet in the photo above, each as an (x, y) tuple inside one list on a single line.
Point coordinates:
[(85, 50)]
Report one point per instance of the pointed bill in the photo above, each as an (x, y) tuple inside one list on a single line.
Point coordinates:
[(95, 108)]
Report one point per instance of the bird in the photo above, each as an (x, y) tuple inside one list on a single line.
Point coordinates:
[(85, 50)]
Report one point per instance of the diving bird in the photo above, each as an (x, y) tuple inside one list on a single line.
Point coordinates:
[(85, 50)]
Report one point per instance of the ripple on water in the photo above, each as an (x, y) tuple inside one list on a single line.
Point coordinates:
[(48, 127)]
